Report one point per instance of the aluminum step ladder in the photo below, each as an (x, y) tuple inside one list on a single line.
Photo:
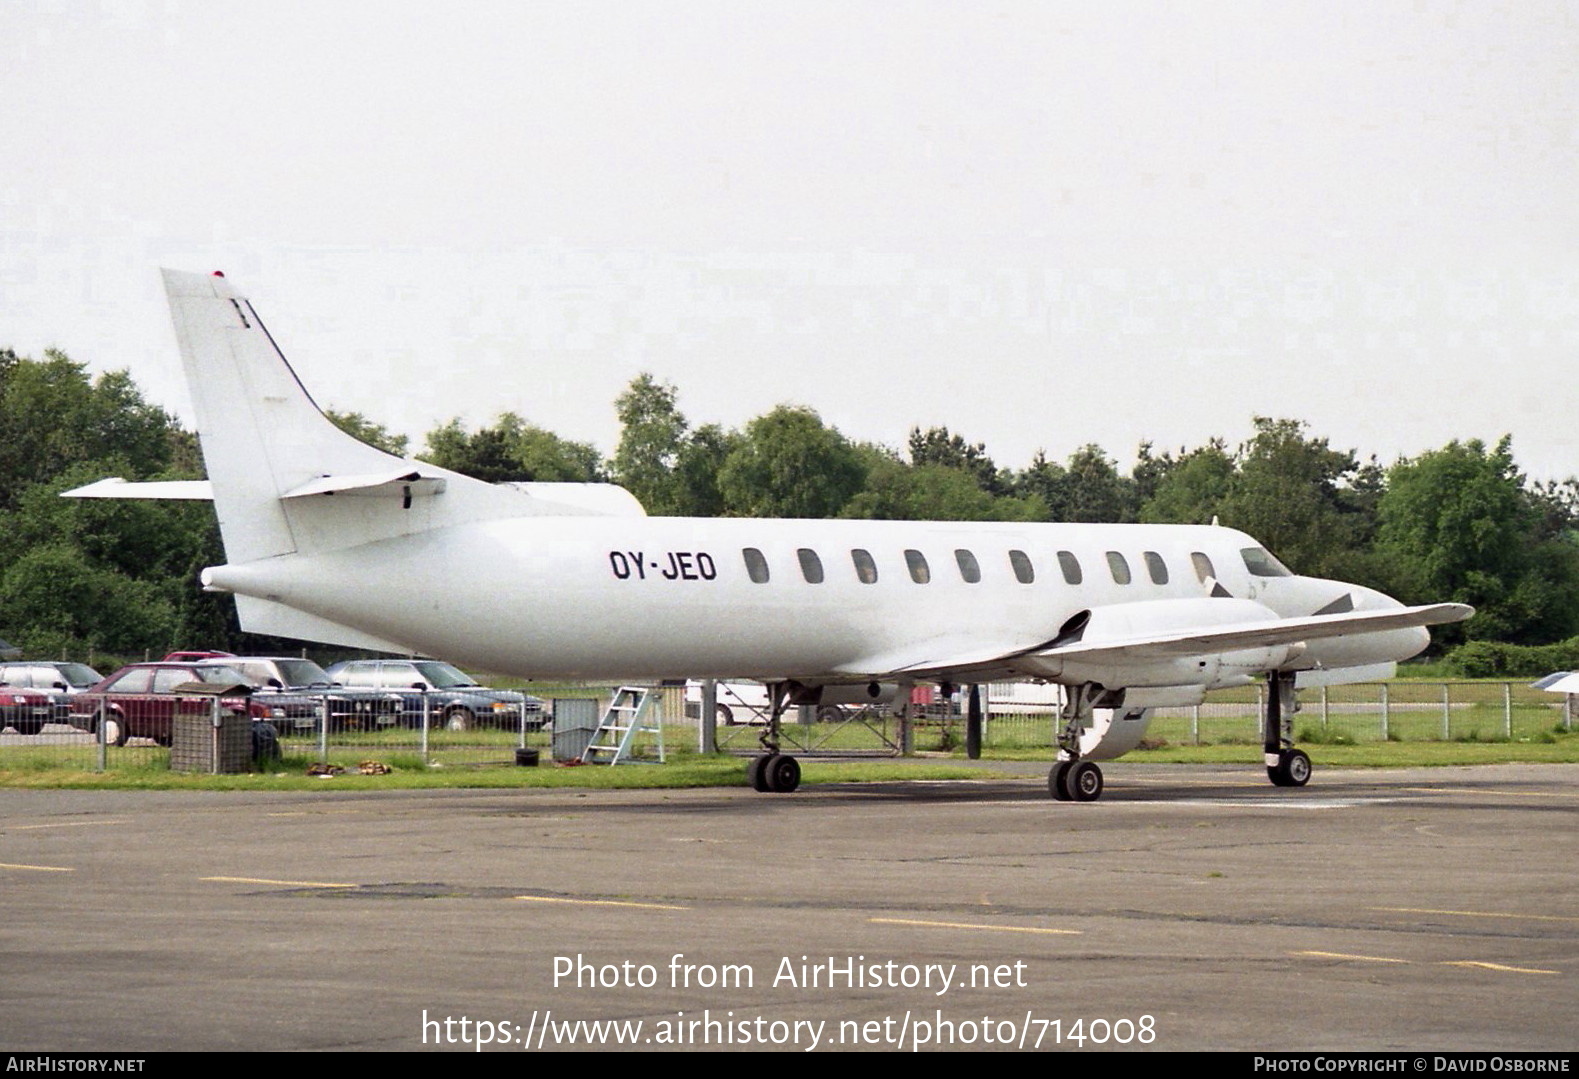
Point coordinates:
[(629, 715)]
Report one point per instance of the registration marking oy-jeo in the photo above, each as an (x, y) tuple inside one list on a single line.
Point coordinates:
[(976, 925)]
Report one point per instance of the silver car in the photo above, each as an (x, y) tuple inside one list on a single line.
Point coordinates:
[(451, 697)]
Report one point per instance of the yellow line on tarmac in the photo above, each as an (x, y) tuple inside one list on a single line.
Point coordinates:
[(1440, 962), (1344, 955), (1489, 790), (597, 902), (60, 824), (976, 925), (284, 883), (1496, 966), (1481, 914), (39, 868)]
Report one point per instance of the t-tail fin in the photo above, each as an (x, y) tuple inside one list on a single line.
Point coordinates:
[(285, 479)]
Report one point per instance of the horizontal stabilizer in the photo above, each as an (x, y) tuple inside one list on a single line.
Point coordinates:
[(404, 483), (115, 487)]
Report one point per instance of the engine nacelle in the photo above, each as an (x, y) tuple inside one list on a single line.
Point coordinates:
[(1114, 732)]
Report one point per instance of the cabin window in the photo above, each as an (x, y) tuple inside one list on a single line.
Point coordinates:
[(969, 568), (1260, 563), (1023, 571), (1156, 567), (865, 568), (756, 565), (920, 572), (1203, 567), (1071, 567), (1119, 567), (810, 565)]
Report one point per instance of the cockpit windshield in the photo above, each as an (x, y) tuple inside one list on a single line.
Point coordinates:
[(1261, 563)]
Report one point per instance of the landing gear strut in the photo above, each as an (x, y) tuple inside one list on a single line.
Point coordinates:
[(1073, 779), (1285, 765), (773, 772)]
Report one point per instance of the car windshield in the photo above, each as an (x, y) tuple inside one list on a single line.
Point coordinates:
[(221, 676), (442, 675), (302, 672), (78, 674)]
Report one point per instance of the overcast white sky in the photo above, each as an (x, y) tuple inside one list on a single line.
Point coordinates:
[(1040, 224)]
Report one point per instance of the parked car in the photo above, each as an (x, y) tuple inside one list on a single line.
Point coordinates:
[(36, 692), (302, 686), (27, 710), (139, 701), (453, 699)]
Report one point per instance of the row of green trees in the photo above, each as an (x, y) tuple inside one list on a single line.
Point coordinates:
[(1458, 523)]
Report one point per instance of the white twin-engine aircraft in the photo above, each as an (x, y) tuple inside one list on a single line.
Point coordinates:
[(329, 539)]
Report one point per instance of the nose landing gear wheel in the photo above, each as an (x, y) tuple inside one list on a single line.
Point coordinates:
[(1291, 770), (1083, 781), (773, 773)]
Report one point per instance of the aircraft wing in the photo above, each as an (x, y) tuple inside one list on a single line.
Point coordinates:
[(1266, 634), (955, 658)]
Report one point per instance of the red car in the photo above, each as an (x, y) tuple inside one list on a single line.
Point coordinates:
[(139, 701), (26, 710)]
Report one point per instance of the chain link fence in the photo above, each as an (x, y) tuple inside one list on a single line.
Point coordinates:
[(421, 733)]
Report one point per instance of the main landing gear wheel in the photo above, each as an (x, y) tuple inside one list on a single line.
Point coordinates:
[(1291, 770), (774, 773), (1055, 781), (1083, 780), (783, 774), (755, 772)]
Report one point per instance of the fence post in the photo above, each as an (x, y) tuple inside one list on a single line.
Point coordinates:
[(427, 719), (1507, 710), (707, 718), (1386, 708), (1325, 715), (1195, 725), (323, 728), (1447, 729)]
